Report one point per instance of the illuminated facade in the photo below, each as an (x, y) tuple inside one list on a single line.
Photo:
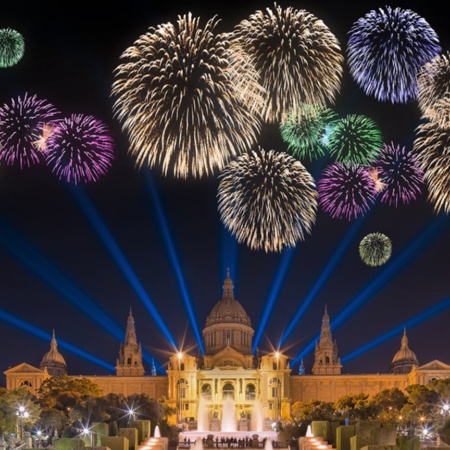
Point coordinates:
[(228, 368)]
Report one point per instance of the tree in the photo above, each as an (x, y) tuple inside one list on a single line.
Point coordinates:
[(64, 392), (356, 407), (389, 403), (313, 410), (10, 401)]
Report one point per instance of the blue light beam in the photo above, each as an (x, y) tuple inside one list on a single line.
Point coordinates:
[(108, 240), (332, 263), (406, 256), (34, 331), (174, 259), (418, 319), (23, 252), (280, 276)]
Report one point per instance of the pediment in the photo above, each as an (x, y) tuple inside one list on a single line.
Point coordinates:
[(434, 365), (22, 368), (228, 358)]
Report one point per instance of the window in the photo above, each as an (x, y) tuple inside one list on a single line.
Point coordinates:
[(26, 383)]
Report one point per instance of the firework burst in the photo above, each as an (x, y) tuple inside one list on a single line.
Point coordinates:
[(346, 190), (385, 51), (375, 249), (267, 200), (188, 99), (21, 122), (12, 47), (439, 113), (355, 139), (432, 146), (297, 56), (306, 130), (80, 148), (433, 83), (401, 174)]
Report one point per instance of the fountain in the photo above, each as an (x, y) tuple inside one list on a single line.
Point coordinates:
[(309, 431), (224, 423), (228, 422), (257, 417), (157, 432), (268, 444)]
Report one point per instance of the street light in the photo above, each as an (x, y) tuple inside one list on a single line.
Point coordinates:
[(22, 413)]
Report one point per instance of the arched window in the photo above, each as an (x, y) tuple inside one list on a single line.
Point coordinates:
[(228, 390), (250, 392), (182, 366), (327, 360), (206, 391)]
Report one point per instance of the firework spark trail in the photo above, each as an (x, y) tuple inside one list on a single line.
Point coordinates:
[(80, 149), (12, 47), (298, 57), (188, 98), (433, 83), (267, 200), (385, 51), (21, 121), (432, 146), (346, 190), (306, 130), (355, 139), (401, 174), (375, 249)]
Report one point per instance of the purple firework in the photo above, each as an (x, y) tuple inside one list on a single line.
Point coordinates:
[(21, 124), (385, 51), (346, 190), (401, 174), (80, 148)]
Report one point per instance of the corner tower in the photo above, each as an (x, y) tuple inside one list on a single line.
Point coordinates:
[(129, 363), (326, 360), (228, 325)]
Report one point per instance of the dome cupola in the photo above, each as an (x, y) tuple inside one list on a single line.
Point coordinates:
[(405, 359), (53, 361)]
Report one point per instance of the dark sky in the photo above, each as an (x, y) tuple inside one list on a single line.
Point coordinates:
[(57, 273)]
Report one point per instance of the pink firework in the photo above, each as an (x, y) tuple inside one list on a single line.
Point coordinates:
[(401, 174), (346, 190), (21, 124), (79, 149)]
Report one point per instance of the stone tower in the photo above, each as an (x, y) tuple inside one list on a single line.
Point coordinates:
[(129, 363), (53, 361), (326, 360)]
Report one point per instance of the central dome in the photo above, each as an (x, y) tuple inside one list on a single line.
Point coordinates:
[(228, 310), (228, 325)]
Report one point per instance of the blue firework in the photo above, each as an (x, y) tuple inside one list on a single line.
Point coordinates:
[(385, 51)]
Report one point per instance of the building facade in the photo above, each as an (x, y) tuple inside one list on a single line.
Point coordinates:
[(229, 369)]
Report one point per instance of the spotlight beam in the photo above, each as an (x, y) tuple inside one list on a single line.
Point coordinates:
[(418, 319), (382, 279), (280, 276), (332, 263), (46, 271), (33, 330), (174, 259), (108, 240)]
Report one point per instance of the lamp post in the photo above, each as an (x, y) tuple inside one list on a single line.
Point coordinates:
[(22, 413), (180, 397)]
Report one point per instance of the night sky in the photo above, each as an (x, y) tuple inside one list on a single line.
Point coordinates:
[(57, 271)]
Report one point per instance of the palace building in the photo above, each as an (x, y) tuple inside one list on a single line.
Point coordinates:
[(229, 368)]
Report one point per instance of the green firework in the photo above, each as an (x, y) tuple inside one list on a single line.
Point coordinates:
[(12, 47), (355, 139), (375, 249), (306, 130)]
